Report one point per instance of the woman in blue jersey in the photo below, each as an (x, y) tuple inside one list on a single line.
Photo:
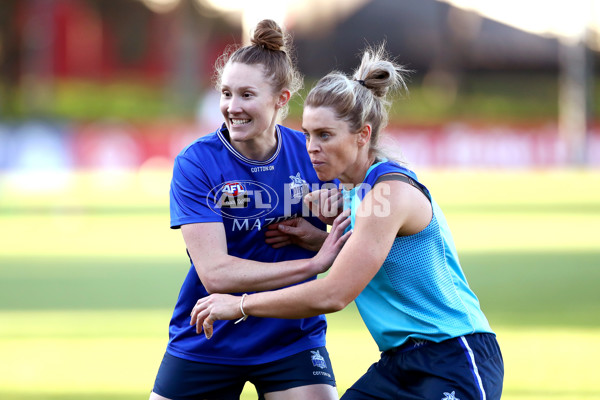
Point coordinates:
[(226, 188), (400, 264)]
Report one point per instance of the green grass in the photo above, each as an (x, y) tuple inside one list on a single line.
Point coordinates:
[(504, 283), (89, 275)]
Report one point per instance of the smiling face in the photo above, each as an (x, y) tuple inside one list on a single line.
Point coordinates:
[(249, 107), (335, 151)]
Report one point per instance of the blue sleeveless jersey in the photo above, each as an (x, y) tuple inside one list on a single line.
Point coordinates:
[(212, 182), (420, 291)]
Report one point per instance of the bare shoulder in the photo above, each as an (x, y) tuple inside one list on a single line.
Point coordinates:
[(400, 202)]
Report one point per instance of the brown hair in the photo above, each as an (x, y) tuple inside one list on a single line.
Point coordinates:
[(271, 48), (362, 99)]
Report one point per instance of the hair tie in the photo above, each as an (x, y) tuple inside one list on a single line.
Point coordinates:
[(361, 82), (244, 315)]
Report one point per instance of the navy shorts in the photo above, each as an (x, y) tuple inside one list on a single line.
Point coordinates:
[(464, 368), (180, 379)]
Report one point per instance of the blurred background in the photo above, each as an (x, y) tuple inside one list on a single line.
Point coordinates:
[(86, 76), (98, 96)]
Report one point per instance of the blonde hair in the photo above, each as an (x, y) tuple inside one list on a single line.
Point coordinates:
[(271, 48), (362, 99)]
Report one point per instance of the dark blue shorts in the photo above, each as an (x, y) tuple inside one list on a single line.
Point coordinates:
[(464, 368), (180, 379)]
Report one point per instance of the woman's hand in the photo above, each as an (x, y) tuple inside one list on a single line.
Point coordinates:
[(295, 231), (326, 204), (334, 242), (212, 308)]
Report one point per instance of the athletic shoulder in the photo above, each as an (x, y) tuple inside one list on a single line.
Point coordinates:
[(387, 168), (392, 170)]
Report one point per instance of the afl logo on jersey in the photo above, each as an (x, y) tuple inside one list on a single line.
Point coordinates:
[(255, 198), (233, 189)]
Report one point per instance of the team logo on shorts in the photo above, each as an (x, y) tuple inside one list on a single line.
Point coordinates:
[(450, 396), (317, 359)]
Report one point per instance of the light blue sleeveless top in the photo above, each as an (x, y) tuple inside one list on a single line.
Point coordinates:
[(420, 291)]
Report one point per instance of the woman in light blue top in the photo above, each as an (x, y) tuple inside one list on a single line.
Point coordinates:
[(399, 264)]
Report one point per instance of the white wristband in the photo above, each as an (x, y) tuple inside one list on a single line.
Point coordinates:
[(244, 316)]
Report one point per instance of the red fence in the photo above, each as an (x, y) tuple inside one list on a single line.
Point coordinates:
[(117, 145)]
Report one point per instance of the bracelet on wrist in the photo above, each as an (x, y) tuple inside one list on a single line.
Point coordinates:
[(244, 316)]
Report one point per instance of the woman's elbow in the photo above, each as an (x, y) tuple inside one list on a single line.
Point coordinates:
[(338, 306), (336, 303), (212, 285), (213, 282)]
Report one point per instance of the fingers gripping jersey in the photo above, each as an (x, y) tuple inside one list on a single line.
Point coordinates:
[(212, 182)]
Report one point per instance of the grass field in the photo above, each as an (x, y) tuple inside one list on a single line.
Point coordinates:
[(89, 272)]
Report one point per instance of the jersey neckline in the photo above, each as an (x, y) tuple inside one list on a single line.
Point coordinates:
[(242, 157)]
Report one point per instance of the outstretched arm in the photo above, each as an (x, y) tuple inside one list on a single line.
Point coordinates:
[(385, 211), (222, 273)]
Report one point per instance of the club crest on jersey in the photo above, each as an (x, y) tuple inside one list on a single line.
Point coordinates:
[(298, 187), (255, 197), (317, 359)]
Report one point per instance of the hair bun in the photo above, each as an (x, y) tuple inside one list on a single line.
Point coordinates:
[(380, 80), (269, 36), (378, 73)]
